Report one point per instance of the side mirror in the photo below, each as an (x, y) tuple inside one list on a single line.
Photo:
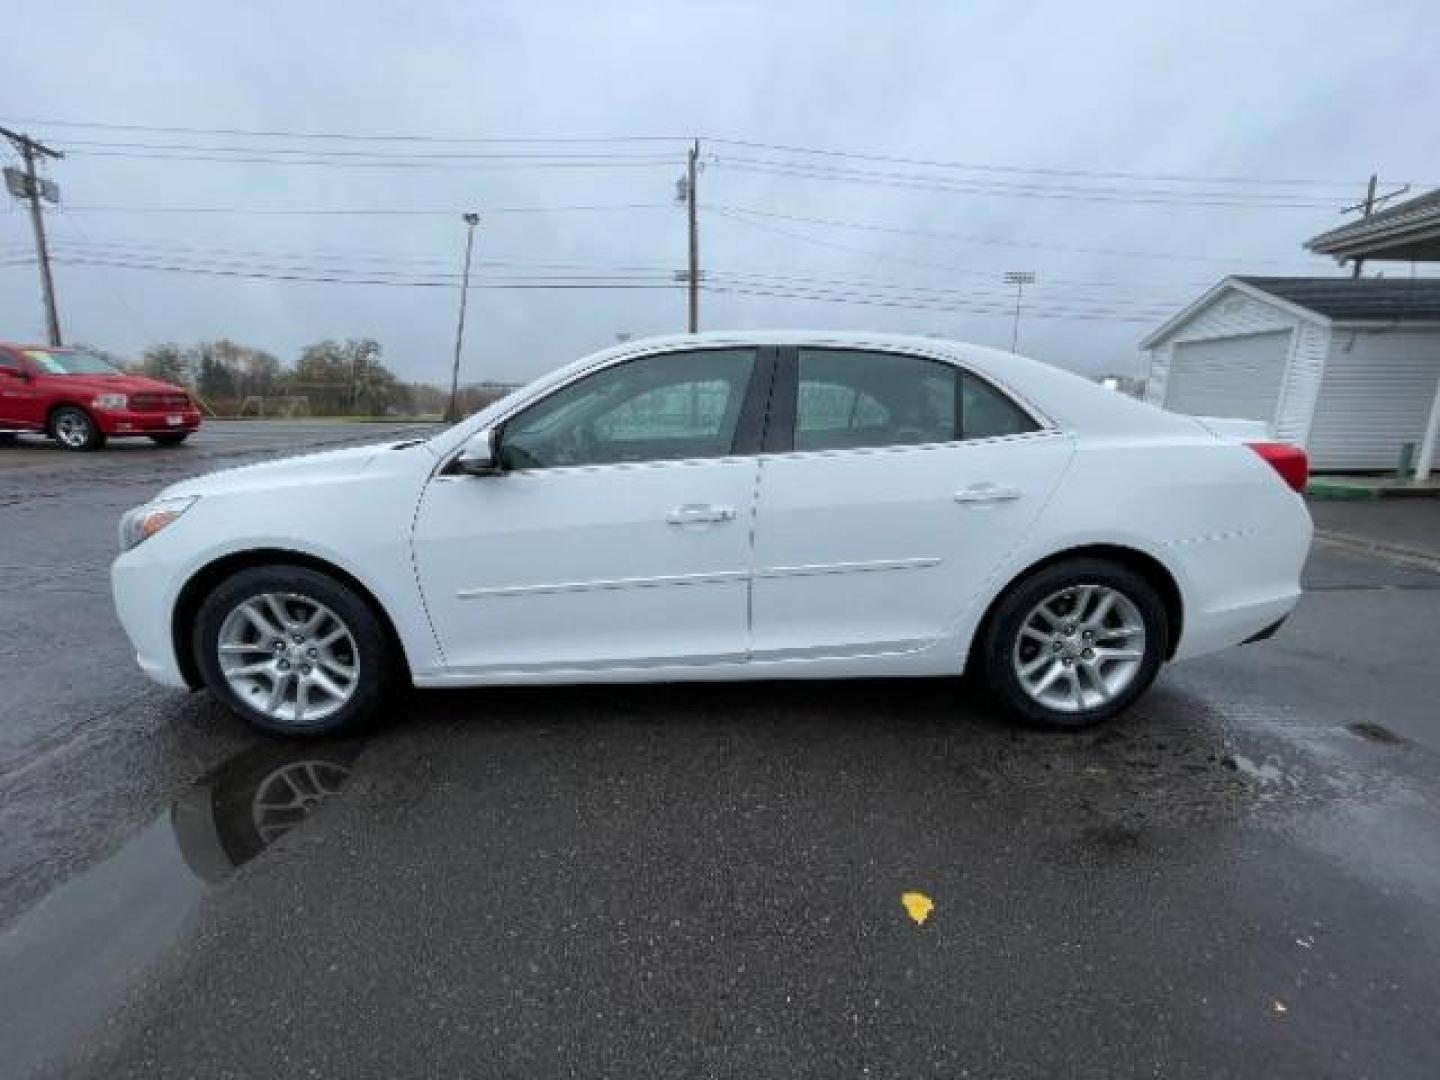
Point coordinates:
[(481, 455), (16, 373)]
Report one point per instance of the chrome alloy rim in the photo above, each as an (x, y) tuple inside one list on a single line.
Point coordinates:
[(1079, 647), (289, 656), (72, 429), (289, 794)]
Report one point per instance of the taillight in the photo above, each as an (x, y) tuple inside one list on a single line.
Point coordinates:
[(1289, 461)]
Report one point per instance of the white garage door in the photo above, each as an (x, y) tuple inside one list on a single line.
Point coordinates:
[(1238, 376)]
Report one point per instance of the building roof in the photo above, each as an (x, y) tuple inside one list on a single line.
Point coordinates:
[(1357, 299), (1408, 231)]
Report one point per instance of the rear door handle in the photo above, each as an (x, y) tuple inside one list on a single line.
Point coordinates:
[(700, 514), (987, 493)]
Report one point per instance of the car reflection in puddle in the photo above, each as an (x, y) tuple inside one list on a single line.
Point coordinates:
[(70, 959), (235, 812)]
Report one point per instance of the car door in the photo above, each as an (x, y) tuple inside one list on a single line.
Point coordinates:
[(618, 532), (892, 487), (18, 398)]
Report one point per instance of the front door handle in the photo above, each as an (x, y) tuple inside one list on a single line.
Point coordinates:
[(700, 514), (987, 493)]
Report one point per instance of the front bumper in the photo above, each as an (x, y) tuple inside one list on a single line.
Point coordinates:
[(144, 605), (125, 422)]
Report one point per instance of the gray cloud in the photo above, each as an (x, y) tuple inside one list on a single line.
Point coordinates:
[(1321, 92)]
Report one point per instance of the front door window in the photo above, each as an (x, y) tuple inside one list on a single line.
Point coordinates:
[(659, 408)]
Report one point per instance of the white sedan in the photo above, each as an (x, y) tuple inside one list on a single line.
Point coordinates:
[(730, 506)]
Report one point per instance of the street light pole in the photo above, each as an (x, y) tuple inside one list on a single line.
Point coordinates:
[(1018, 278), (452, 410)]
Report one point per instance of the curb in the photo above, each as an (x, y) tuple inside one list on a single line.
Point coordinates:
[(1332, 491)]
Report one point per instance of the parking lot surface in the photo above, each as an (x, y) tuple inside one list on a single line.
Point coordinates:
[(1241, 877)]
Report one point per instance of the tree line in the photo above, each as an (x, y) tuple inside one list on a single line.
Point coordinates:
[(328, 378)]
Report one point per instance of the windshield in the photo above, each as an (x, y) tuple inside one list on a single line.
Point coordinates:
[(70, 362)]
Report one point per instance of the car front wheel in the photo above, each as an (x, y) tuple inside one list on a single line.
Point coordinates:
[(75, 429), (294, 651), (1075, 643)]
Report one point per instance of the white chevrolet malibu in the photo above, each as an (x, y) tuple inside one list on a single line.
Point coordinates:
[(730, 506)]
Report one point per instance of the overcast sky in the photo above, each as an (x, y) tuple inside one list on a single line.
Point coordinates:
[(1033, 99)]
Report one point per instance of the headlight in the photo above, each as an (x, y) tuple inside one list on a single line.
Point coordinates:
[(145, 521), (110, 401)]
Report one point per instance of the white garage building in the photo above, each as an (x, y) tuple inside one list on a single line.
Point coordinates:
[(1347, 367)]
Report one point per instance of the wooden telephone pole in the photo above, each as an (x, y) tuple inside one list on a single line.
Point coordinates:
[(1368, 207), (691, 194), (31, 188)]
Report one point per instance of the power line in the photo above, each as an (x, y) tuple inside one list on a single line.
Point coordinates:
[(139, 247), (360, 211), (397, 163), (1026, 170), (309, 151), (722, 277), (137, 250), (986, 293), (873, 301), (916, 181), (796, 293), (436, 281), (988, 240), (870, 253), (679, 140), (356, 136), (113, 288)]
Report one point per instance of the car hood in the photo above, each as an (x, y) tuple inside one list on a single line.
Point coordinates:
[(304, 469), (115, 384)]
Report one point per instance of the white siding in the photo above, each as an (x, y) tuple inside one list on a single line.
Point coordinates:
[(1231, 314), (1302, 382), (1230, 376), (1375, 395)]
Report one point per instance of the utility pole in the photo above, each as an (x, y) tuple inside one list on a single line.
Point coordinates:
[(1018, 278), (1368, 207), (30, 187), (452, 411), (689, 193)]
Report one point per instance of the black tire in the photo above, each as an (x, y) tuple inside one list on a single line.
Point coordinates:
[(377, 660), (87, 436), (170, 438), (998, 642)]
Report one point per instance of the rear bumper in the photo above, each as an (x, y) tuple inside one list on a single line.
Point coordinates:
[(146, 423), (1220, 628)]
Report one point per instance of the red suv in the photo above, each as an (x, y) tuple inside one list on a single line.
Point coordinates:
[(80, 400)]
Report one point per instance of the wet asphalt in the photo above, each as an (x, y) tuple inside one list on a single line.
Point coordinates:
[(1241, 877)]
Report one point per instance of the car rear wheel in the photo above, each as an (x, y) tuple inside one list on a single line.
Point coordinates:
[(170, 438), (294, 651), (1075, 643), (75, 429)]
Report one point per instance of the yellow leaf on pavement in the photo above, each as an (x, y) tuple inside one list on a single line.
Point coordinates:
[(918, 906)]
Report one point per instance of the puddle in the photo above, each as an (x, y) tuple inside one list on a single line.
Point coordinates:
[(1368, 729), (68, 960)]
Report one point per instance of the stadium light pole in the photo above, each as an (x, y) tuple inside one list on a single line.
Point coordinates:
[(452, 410), (1018, 278)]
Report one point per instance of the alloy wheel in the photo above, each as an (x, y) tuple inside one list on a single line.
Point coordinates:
[(72, 429), (288, 795), (1079, 648), (289, 656)]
